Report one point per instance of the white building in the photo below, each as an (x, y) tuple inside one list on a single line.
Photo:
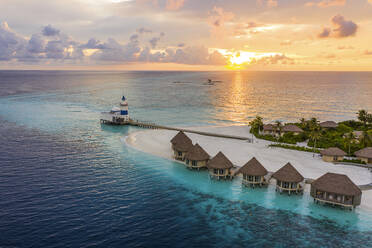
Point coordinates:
[(117, 115)]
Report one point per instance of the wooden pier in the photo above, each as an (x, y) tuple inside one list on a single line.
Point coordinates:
[(155, 126), (151, 125)]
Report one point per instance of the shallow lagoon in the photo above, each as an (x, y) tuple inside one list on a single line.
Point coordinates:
[(66, 180)]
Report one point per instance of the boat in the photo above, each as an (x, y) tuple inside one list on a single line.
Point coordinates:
[(117, 115)]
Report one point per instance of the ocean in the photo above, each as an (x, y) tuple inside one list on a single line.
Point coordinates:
[(68, 181)]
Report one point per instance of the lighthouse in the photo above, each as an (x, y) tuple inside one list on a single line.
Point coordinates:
[(117, 115)]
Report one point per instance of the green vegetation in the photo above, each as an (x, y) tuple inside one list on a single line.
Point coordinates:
[(297, 148), (343, 137)]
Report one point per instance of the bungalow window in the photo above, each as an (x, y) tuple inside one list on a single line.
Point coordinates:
[(194, 163), (256, 179), (215, 171), (179, 153), (285, 185), (250, 178), (335, 158), (187, 161), (221, 171)]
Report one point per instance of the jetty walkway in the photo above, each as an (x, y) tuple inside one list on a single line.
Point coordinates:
[(155, 126)]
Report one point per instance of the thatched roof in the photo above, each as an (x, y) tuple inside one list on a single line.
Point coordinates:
[(181, 142), (288, 174), (291, 128), (197, 153), (364, 153), (337, 184), (328, 124), (269, 127), (333, 151), (253, 168), (220, 161)]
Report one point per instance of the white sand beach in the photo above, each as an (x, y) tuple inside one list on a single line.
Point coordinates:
[(157, 142)]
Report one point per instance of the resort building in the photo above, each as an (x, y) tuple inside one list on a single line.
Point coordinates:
[(328, 124), (181, 144), (117, 115), (196, 157), (290, 128), (269, 129), (288, 179), (220, 167), (333, 154), (253, 173), (336, 189), (365, 155)]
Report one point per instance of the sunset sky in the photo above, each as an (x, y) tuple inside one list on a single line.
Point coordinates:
[(186, 34)]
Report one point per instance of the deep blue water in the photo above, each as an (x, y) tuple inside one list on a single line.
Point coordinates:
[(67, 181)]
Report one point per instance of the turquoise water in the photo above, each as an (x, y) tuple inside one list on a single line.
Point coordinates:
[(68, 181)]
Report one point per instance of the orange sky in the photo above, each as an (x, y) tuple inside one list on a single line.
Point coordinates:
[(186, 35)]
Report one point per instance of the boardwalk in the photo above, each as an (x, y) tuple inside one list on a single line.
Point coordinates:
[(155, 126)]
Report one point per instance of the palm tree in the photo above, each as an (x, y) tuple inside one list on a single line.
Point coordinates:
[(362, 116), (349, 139), (278, 127), (256, 124), (365, 139), (315, 135), (303, 123), (314, 123)]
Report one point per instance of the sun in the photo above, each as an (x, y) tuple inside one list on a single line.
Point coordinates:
[(240, 60)]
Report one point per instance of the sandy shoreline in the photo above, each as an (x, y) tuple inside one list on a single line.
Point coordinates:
[(157, 142)]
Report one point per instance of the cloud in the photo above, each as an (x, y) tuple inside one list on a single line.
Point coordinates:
[(217, 20), (367, 52), (50, 31), (144, 30), (272, 60), (325, 33), (44, 49), (342, 28), (286, 43), (174, 4), (345, 47), (10, 43), (326, 3), (268, 3)]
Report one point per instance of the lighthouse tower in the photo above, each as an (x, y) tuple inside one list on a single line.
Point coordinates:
[(124, 109)]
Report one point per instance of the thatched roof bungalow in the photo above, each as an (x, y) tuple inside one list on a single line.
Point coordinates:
[(269, 129), (365, 155), (253, 173), (196, 157), (220, 167), (288, 179), (290, 128), (328, 124), (332, 154), (336, 189), (181, 144)]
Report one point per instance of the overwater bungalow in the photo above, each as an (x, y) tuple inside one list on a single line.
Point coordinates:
[(328, 124), (288, 179), (332, 154), (269, 129), (253, 173), (196, 157), (290, 128), (181, 144), (337, 190), (220, 167), (365, 155)]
